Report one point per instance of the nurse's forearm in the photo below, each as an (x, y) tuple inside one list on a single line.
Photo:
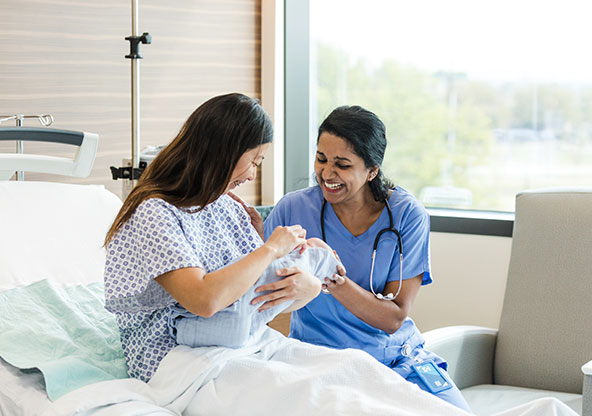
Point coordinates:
[(385, 315)]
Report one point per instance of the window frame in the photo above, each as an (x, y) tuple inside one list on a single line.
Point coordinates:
[(298, 166)]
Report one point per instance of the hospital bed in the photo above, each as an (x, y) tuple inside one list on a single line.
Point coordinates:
[(50, 232), (60, 348)]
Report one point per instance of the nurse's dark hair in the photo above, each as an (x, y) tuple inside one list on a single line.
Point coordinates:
[(195, 168), (366, 133)]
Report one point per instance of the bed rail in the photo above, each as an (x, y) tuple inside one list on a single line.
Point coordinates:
[(79, 166)]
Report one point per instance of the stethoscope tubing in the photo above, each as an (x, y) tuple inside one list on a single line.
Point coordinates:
[(392, 229)]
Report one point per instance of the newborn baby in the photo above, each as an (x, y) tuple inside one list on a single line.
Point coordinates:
[(233, 326)]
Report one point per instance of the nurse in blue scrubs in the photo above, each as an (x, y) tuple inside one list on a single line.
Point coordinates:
[(351, 205)]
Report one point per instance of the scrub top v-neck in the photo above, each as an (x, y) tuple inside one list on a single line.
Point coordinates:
[(324, 321)]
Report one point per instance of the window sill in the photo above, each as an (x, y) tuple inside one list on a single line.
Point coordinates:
[(457, 221), (471, 222)]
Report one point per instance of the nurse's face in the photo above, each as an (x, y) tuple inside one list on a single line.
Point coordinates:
[(341, 174), (246, 168)]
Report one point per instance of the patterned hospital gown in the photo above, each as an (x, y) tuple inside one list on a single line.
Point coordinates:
[(158, 238)]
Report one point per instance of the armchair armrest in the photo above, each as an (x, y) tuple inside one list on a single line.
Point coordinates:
[(587, 391), (469, 351)]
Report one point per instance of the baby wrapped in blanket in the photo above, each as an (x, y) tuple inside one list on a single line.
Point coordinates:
[(233, 326)]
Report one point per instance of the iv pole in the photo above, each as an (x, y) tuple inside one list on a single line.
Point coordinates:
[(135, 93), (134, 55), (133, 173)]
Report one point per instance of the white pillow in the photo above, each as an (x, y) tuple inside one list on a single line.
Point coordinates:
[(53, 231)]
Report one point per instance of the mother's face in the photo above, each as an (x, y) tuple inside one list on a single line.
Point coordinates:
[(246, 168), (341, 174)]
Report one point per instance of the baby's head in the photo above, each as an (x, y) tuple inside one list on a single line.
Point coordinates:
[(331, 274), (314, 242), (317, 242)]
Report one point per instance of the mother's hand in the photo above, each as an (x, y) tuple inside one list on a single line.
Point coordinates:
[(297, 285), (285, 239)]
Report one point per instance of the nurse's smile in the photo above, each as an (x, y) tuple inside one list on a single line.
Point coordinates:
[(332, 187)]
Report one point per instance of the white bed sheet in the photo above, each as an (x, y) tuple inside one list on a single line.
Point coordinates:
[(274, 376), (21, 393)]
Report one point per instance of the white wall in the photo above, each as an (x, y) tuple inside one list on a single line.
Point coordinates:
[(469, 273)]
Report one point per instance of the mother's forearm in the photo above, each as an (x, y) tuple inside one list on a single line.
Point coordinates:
[(205, 294), (228, 284), (297, 305)]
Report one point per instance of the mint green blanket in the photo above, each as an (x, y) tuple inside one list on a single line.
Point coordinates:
[(64, 332)]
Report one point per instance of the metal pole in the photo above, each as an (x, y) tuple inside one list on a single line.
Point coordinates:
[(135, 99), (134, 55), (44, 119), (20, 175)]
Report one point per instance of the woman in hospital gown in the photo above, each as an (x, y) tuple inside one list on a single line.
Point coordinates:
[(179, 227)]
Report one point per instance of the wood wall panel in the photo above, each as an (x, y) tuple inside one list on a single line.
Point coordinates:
[(66, 57)]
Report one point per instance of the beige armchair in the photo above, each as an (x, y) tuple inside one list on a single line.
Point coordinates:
[(543, 346)]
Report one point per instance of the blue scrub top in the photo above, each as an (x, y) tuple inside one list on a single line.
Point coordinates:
[(324, 321)]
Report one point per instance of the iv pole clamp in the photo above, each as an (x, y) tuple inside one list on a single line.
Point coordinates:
[(135, 41), (133, 172)]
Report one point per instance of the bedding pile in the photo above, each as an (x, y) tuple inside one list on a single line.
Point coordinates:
[(74, 341), (274, 375)]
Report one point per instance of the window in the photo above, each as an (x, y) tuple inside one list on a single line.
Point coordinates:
[(480, 100)]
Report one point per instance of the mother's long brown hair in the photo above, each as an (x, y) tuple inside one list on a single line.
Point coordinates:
[(196, 167)]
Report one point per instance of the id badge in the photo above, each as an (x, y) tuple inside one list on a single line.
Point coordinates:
[(430, 374)]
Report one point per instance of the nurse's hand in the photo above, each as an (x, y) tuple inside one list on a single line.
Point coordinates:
[(254, 215), (297, 285), (338, 279)]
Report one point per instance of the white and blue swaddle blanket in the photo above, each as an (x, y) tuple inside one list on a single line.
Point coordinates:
[(235, 325)]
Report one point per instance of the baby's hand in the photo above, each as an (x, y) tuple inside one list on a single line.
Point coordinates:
[(336, 256)]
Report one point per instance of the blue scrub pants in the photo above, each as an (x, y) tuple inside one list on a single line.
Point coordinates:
[(452, 395), (403, 365)]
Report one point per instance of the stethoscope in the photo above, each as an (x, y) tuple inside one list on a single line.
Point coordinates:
[(391, 229)]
